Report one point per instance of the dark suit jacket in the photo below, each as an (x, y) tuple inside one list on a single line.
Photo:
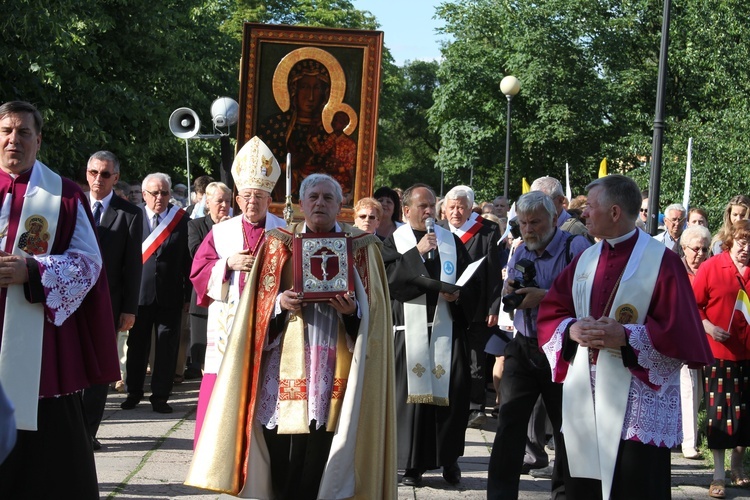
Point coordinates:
[(197, 231), (486, 284), (120, 241), (166, 274)]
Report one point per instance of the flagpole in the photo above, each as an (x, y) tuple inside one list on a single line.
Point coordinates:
[(688, 172)]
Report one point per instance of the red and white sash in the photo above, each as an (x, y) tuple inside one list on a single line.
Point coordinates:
[(161, 233)]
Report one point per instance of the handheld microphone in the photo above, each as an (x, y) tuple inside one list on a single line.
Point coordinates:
[(429, 225)]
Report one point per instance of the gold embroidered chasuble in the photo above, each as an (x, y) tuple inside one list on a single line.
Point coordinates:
[(231, 455)]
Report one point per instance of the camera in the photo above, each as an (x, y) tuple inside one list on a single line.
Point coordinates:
[(528, 279), (515, 229)]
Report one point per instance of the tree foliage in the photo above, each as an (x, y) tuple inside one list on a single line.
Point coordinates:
[(107, 74), (407, 146), (588, 70)]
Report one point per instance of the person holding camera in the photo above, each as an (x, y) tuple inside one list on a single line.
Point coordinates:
[(544, 253)]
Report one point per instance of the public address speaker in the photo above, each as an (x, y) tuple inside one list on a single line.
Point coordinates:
[(184, 123)]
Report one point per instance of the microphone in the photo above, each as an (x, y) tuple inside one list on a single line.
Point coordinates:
[(429, 225)]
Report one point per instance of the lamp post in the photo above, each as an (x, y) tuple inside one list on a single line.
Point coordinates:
[(661, 89), (509, 86)]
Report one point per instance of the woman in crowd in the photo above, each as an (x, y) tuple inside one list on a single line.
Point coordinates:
[(738, 208), (391, 218), (695, 241), (367, 215), (697, 215), (717, 285)]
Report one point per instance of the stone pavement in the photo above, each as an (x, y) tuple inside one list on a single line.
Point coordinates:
[(146, 455)]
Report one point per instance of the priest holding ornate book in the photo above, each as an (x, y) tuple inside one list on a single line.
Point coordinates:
[(303, 405), (432, 365)]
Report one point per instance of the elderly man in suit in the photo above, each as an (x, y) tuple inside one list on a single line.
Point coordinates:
[(119, 225), (165, 291), (480, 237)]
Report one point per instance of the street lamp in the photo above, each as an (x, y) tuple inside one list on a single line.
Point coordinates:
[(509, 86)]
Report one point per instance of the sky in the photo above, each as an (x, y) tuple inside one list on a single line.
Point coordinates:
[(408, 27)]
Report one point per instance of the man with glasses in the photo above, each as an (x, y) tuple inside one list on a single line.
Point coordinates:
[(165, 291), (119, 227), (57, 332), (674, 223), (642, 219), (223, 262)]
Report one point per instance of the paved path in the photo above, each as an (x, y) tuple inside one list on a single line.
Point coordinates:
[(146, 455)]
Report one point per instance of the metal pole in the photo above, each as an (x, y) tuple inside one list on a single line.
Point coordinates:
[(507, 150), (187, 156), (655, 181)]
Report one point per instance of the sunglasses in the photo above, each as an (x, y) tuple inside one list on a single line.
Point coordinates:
[(157, 193), (103, 175), (364, 216)]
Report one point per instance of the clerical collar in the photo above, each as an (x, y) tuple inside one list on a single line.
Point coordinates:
[(620, 239)]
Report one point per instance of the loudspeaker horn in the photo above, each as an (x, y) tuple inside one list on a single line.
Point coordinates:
[(224, 112), (184, 123)]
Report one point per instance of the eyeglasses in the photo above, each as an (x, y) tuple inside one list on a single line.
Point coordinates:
[(102, 174), (644, 210), (365, 216), (250, 196), (157, 193), (698, 249), (675, 221)]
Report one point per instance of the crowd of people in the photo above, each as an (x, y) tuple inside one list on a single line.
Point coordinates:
[(338, 359)]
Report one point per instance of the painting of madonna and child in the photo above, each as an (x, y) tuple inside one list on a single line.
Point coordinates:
[(313, 93)]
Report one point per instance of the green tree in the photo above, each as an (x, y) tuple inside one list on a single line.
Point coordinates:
[(588, 70), (407, 146), (108, 74)]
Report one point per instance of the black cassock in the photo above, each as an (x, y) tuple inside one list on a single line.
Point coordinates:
[(429, 436)]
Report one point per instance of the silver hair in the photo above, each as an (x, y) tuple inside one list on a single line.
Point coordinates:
[(533, 201), (675, 206), (695, 231), (106, 156), (313, 180), (548, 185), (212, 187), (156, 176), (461, 192)]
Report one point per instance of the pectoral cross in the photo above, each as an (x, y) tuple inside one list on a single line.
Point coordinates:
[(324, 263)]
